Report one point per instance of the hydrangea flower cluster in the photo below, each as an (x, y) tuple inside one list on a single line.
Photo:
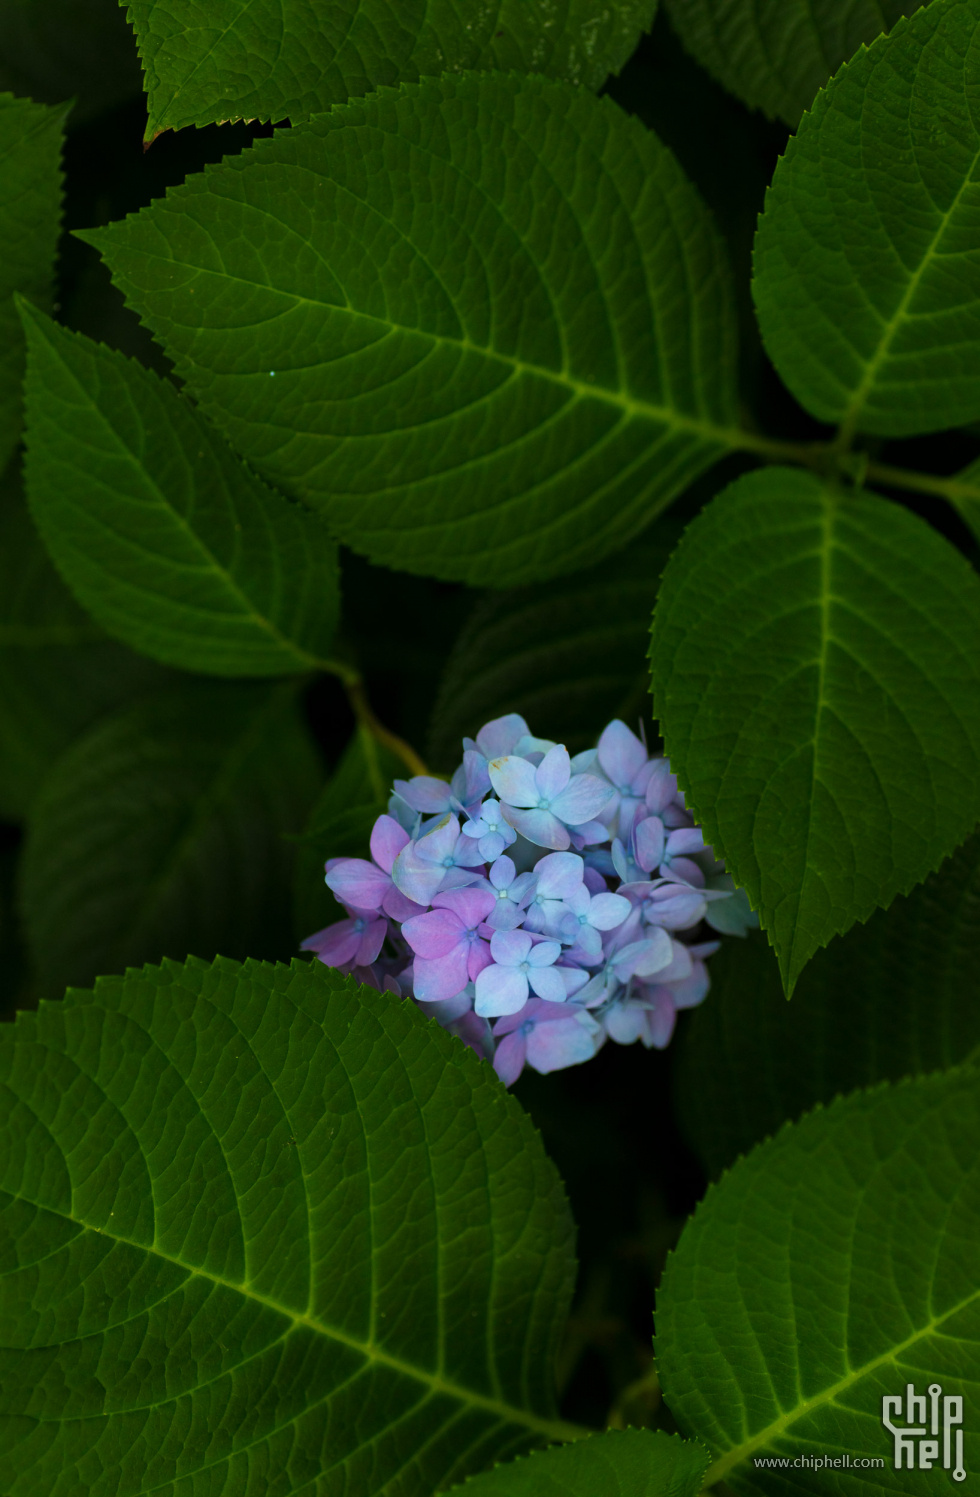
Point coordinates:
[(537, 905)]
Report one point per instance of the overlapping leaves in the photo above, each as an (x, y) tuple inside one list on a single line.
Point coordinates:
[(834, 1265), (158, 527), (483, 323), (162, 831), (58, 671), (867, 271), (896, 997), (816, 675), (775, 54), (568, 656), (314, 1233), (288, 59)]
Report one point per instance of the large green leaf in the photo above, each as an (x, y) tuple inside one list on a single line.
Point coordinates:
[(30, 220), (568, 656), (68, 49), (163, 831), (58, 671), (267, 1232), (339, 825), (831, 1268), (633, 1463), (896, 997), (159, 528), (775, 54), (288, 59), (867, 270), (484, 323), (816, 674)]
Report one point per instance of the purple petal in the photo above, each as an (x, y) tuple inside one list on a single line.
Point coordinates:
[(513, 780), (492, 844), (625, 1022), (690, 991), (650, 842), (357, 882), (607, 911), (500, 990), (552, 1047), (387, 841), (467, 852), (679, 968), (621, 754), (498, 737), (335, 945), (675, 908), (539, 827), (502, 873), (441, 978), (582, 799), (547, 984), (434, 934), (510, 947), (506, 915), (510, 1057), (372, 940), (544, 953), (552, 774), (478, 957), (573, 978), (683, 868), (470, 906), (417, 878), (424, 793), (662, 789), (559, 875), (686, 840), (440, 841), (398, 907), (471, 781)]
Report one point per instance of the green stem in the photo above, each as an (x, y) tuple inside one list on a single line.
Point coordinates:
[(365, 716), (955, 490)]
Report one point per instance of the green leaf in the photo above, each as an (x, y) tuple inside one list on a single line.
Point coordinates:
[(339, 826), (968, 504), (775, 54), (896, 997), (68, 49), (58, 671), (867, 274), (163, 830), (268, 1231), (832, 1267), (484, 323), (30, 221), (568, 656), (158, 528), (816, 674), (630, 1463), (286, 59)]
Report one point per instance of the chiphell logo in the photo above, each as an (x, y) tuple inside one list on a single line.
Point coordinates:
[(933, 1422)]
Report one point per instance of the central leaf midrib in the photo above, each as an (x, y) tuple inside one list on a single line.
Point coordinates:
[(554, 1429), (212, 564), (665, 415), (720, 1468)]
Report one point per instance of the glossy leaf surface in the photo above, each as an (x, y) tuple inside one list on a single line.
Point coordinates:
[(833, 1266), (287, 59), (483, 323), (816, 674), (282, 1214), (867, 270), (159, 529), (568, 656), (899, 996)]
